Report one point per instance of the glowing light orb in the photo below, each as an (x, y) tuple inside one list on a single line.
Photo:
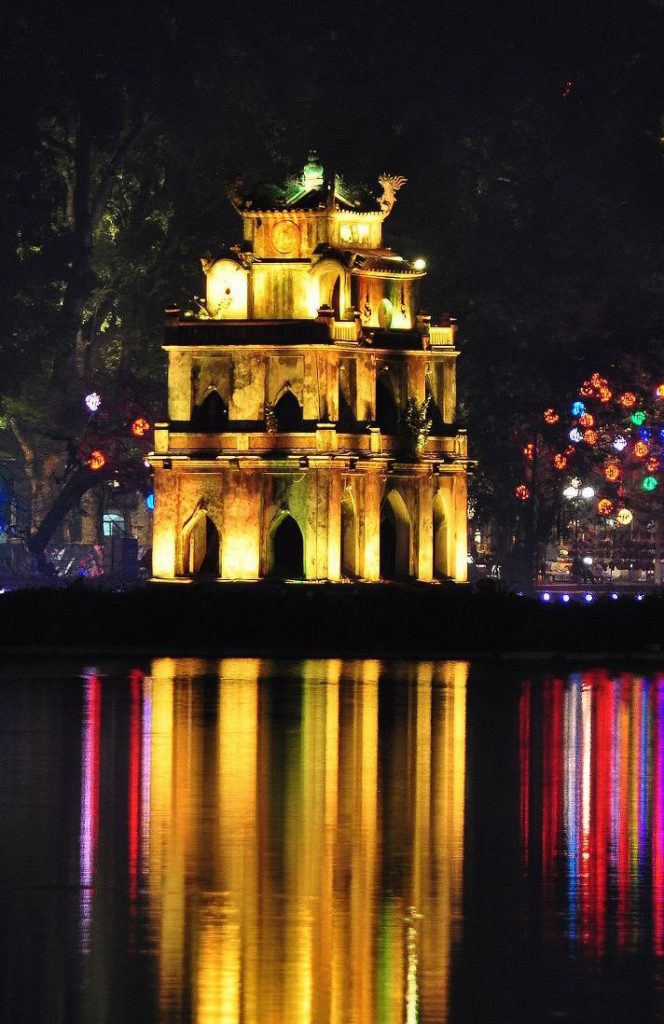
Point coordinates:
[(605, 395), (586, 390), (645, 435), (620, 443), (638, 417), (571, 492), (652, 464), (587, 420), (578, 408), (96, 459), (575, 435), (546, 596), (659, 391), (588, 598), (627, 399), (591, 437), (641, 449), (559, 461), (570, 450), (598, 381), (419, 263), (612, 473), (605, 507), (551, 416), (93, 401), (565, 598), (140, 427), (650, 483), (587, 492), (522, 492)]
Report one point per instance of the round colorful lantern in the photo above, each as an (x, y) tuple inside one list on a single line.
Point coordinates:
[(586, 390), (638, 418), (652, 464), (659, 391), (575, 435), (96, 459), (591, 437), (551, 416), (560, 461), (140, 427), (605, 395), (624, 516), (628, 400), (605, 506), (587, 420), (578, 408), (641, 449), (522, 492), (619, 443), (93, 401), (612, 473), (650, 483)]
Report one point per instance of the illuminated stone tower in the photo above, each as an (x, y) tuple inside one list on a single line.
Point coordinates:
[(297, 396)]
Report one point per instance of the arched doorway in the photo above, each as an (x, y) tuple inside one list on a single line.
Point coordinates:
[(349, 567), (286, 549), (288, 412), (201, 546), (387, 414), (439, 538), (394, 538), (211, 416)]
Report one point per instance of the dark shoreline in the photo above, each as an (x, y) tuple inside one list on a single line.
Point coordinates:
[(327, 620)]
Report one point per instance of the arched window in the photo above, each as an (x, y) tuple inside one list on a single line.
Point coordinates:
[(211, 416), (385, 314), (201, 546), (289, 413), (394, 538), (113, 524), (439, 538), (286, 549), (433, 412), (348, 538), (387, 413)]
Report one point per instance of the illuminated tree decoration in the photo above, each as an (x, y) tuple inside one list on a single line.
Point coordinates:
[(93, 401), (605, 506), (522, 492), (638, 418), (578, 408), (659, 391), (641, 449), (551, 416), (96, 459), (650, 483), (620, 443), (587, 420), (624, 516), (628, 399), (529, 451), (140, 427), (586, 390), (560, 460), (575, 435), (652, 464), (605, 395), (598, 381), (612, 473), (591, 437)]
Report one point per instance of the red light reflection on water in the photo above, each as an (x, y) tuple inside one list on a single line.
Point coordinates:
[(602, 803), (91, 743)]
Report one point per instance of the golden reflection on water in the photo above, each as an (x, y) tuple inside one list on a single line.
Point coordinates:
[(307, 866)]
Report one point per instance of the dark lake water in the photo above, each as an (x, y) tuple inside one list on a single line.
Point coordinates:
[(329, 842)]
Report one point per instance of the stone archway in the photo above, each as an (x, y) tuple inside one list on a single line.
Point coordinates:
[(440, 538), (349, 545), (285, 548), (200, 544), (211, 416), (395, 534), (387, 412), (288, 412)]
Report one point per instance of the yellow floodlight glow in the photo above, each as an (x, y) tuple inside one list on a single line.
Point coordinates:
[(419, 264)]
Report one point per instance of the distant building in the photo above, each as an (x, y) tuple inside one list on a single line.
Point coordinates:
[(311, 429)]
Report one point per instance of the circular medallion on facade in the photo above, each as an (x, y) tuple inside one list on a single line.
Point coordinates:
[(286, 237)]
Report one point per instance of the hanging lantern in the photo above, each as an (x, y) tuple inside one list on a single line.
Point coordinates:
[(529, 451), (140, 427), (627, 399), (96, 459), (650, 483), (624, 516), (578, 408), (638, 417), (605, 395), (641, 449), (575, 435), (586, 390), (551, 416), (92, 401), (605, 507), (652, 464), (619, 443), (612, 473), (522, 492), (598, 381), (587, 420), (560, 461), (659, 391), (591, 437)]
